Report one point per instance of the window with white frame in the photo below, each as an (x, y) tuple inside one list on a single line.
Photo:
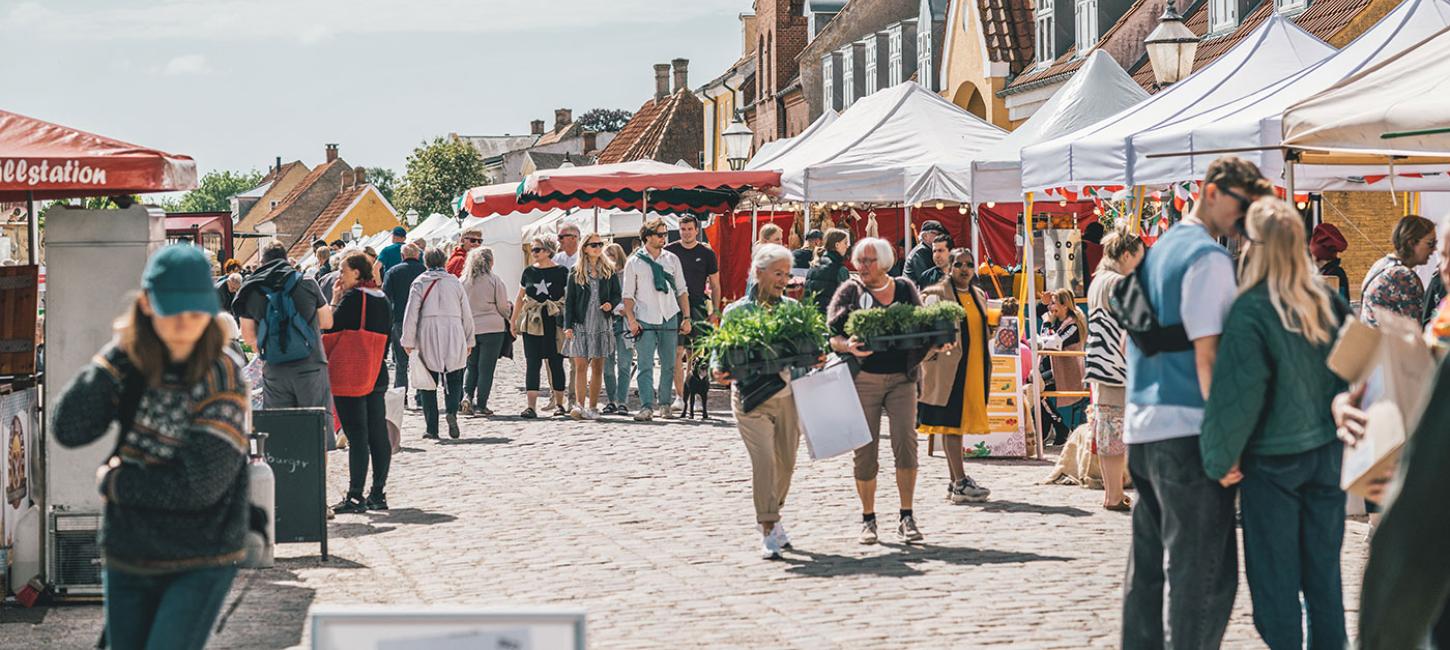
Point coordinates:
[(828, 85), (1044, 39), (1087, 26), (1289, 5), (923, 60), (848, 77), (1223, 15), (893, 73), (871, 66)]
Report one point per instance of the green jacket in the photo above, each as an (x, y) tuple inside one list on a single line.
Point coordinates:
[(1271, 389)]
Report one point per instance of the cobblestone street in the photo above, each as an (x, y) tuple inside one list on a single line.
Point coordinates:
[(650, 529)]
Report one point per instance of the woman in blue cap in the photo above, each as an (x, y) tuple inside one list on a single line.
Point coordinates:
[(175, 487)]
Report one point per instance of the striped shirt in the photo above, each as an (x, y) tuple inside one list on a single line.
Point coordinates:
[(1106, 358)]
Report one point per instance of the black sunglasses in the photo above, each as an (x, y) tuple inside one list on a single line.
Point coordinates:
[(961, 265), (595, 244), (539, 249), (474, 240), (662, 233), (567, 236)]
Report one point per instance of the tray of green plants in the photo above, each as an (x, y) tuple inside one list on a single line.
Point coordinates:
[(905, 327), (758, 342)]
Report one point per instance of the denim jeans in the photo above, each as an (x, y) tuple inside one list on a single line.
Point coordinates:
[(174, 611), (618, 368), (400, 359), (1293, 514), (452, 384), (657, 343), (1183, 536), (482, 362)]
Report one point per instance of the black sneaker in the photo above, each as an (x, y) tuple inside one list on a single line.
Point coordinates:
[(484, 411), (350, 505), (560, 411), (453, 431), (433, 435), (377, 502)]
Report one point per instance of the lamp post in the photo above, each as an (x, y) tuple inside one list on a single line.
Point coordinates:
[(737, 143), (412, 217), (1171, 48), (357, 230)]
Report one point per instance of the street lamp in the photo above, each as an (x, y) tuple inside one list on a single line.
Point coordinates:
[(737, 143), (1171, 48), (412, 217)]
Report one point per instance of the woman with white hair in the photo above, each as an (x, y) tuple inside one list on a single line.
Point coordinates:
[(489, 299), (886, 382), (437, 335), (538, 318), (770, 430)]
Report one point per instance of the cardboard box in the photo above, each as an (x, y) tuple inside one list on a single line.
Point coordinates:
[(1397, 369)]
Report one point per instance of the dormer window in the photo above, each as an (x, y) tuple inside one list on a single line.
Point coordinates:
[(1290, 6), (1223, 15), (1087, 26), (1046, 30)]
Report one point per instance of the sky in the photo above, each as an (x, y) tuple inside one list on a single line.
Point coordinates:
[(236, 83)]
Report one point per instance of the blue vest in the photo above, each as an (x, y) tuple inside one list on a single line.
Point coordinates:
[(1169, 378)]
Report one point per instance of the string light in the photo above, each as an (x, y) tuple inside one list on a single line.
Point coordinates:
[(1098, 211), (962, 209), (1062, 203), (991, 204), (940, 205), (1302, 205), (918, 205)]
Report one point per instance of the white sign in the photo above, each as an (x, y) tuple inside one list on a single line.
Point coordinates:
[(445, 628), (17, 431)]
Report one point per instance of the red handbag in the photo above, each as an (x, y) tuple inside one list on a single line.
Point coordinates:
[(354, 357)]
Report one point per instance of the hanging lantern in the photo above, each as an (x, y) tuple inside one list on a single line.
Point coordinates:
[(962, 208), (991, 204)]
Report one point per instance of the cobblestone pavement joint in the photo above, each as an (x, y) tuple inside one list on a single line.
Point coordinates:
[(649, 527)]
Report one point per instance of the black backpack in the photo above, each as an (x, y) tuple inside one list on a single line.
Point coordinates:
[(1130, 305)]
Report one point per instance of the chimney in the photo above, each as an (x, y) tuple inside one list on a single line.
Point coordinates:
[(590, 139), (278, 168), (563, 117), (662, 80), (536, 127), (682, 74), (359, 176), (331, 152)]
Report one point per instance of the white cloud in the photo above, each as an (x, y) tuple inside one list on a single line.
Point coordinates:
[(186, 64), (311, 21)]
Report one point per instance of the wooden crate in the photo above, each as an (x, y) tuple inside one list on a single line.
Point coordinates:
[(19, 294)]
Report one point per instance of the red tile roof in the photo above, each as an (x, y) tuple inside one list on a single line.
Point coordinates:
[(326, 220), (307, 182), (1008, 29), (641, 138)]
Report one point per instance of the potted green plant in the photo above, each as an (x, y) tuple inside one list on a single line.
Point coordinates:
[(751, 342), (905, 327)]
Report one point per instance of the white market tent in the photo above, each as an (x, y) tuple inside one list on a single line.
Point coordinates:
[(902, 144), (612, 223), (1100, 89), (1101, 153), (1254, 119), (771, 150), (1407, 93)]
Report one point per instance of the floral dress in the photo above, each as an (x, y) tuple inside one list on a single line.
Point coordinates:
[(1397, 290)]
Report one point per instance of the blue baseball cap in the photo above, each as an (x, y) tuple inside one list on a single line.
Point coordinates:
[(399, 231), (177, 279)]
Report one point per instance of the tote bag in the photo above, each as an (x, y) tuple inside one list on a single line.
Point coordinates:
[(829, 412), (354, 357)]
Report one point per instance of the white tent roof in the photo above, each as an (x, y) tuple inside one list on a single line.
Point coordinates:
[(771, 150), (612, 223), (1408, 92), (1099, 154), (1255, 119), (903, 143), (1100, 89)]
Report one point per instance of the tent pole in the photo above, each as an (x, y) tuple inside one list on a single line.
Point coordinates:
[(32, 231), (906, 234), (976, 236), (1289, 180), (596, 220), (754, 222), (1029, 302)]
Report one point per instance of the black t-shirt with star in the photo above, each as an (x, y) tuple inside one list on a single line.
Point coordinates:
[(545, 284)]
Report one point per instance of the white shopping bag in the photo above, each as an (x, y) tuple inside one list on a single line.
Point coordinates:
[(393, 412), (830, 412)]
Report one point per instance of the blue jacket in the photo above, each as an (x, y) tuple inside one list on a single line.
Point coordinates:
[(397, 282), (1169, 378)]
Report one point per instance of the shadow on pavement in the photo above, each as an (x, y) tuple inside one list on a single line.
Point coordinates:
[(900, 564), (475, 441), (1031, 508), (267, 608), (409, 517)]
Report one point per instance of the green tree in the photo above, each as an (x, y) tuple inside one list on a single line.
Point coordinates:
[(386, 180), (604, 119), (215, 191), (438, 171)]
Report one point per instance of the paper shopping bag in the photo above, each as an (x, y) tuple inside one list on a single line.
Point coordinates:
[(829, 412)]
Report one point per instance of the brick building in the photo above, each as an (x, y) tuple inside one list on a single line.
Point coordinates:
[(252, 207), (668, 128), (780, 109)]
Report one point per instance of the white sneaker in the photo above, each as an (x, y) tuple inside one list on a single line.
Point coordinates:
[(667, 412), (868, 532), (576, 413), (591, 414), (678, 406), (782, 540), (769, 546), (644, 415)]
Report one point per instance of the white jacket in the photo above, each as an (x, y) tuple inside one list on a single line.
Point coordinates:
[(438, 330)]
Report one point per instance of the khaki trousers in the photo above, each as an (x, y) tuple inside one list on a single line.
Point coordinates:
[(772, 435), (896, 395)]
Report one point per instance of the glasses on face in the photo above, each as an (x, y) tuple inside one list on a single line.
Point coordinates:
[(473, 240), (568, 236), (662, 233), (961, 265), (594, 244), (538, 249), (1243, 201), (866, 260)]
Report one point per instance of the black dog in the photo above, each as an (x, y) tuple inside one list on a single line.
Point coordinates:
[(697, 386)]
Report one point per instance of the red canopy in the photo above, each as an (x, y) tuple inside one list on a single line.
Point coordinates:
[(670, 188), (492, 199), (50, 161)]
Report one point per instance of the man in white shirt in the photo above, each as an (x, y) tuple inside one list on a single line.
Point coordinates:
[(1183, 567), (568, 253), (657, 310)]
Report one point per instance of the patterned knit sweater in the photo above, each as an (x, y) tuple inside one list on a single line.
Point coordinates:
[(178, 499)]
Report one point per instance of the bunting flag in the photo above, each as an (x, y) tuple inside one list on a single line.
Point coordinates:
[(1299, 197)]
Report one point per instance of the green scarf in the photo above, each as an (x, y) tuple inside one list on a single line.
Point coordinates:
[(664, 280)]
